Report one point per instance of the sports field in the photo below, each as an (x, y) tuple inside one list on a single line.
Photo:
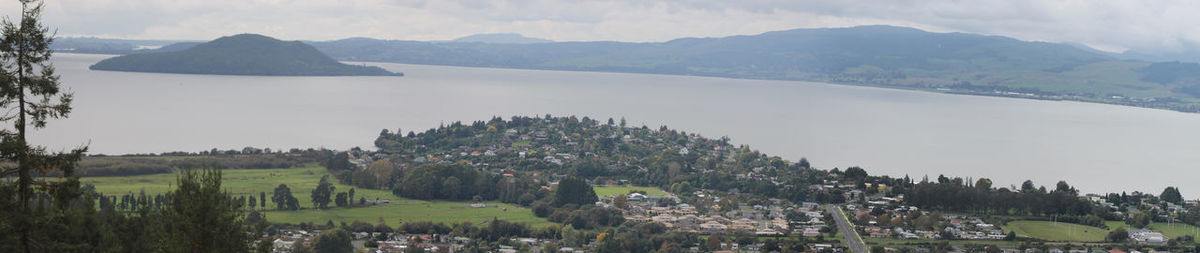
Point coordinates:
[(605, 191), (1057, 231)]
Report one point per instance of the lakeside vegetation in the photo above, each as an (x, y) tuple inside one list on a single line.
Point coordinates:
[(247, 158)]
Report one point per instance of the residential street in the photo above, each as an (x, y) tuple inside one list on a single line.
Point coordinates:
[(851, 236)]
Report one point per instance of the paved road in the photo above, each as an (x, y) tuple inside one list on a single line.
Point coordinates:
[(852, 239)]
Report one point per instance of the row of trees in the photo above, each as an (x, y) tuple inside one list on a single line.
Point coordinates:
[(147, 164), (132, 202), (321, 196), (955, 195), (462, 182)]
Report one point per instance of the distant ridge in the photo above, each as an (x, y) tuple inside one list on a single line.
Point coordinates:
[(242, 54), (501, 38), (877, 55)]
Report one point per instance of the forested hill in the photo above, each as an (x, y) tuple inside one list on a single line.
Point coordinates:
[(867, 55), (243, 54), (791, 54)]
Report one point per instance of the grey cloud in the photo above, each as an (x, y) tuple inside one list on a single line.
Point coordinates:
[(1114, 25)]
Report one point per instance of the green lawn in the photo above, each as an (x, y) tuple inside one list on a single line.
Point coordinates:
[(302, 181), (412, 210), (604, 191), (1174, 230), (1057, 231), (1115, 224), (894, 242)]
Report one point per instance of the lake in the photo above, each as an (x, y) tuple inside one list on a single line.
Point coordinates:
[(1095, 147)]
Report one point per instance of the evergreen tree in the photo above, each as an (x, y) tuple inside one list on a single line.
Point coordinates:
[(451, 188), (283, 198), (30, 93), (323, 194), (1171, 194), (574, 191), (201, 218), (341, 200)]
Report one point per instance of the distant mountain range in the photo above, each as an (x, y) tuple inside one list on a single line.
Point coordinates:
[(243, 54), (867, 55), (884, 56), (500, 38), (88, 45)]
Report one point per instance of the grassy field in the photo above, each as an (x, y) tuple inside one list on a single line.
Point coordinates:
[(239, 183), (604, 191), (893, 242), (1057, 231), (1174, 230), (303, 180), (412, 210), (1115, 224)]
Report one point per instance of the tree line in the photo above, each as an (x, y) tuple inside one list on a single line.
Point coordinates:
[(146, 164), (955, 194)]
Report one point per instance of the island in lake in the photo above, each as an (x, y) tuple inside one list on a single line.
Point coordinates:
[(243, 54)]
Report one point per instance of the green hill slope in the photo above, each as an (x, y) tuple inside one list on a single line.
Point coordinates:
[(243, 54)]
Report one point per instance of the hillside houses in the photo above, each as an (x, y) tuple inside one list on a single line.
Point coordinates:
[(686, 218), (886, 219)]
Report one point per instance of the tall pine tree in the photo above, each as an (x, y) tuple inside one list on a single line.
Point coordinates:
[(30, 95)]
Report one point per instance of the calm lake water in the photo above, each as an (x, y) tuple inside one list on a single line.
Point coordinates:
[(1098, 148)]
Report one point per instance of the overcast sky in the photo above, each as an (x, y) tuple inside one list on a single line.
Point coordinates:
[(1110, 25)]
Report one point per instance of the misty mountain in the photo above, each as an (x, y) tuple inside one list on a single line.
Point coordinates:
[(88, 45), (792, 54), (243, 54), (1190, 55), (500, 38)]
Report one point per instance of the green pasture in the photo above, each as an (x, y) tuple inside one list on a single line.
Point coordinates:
[(250, 182)]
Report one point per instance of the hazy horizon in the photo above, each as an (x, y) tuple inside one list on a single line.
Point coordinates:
[(1160, 28)]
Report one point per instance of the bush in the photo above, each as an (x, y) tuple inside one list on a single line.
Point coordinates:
[(542, 209), (1117, 235), (334, 241)]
